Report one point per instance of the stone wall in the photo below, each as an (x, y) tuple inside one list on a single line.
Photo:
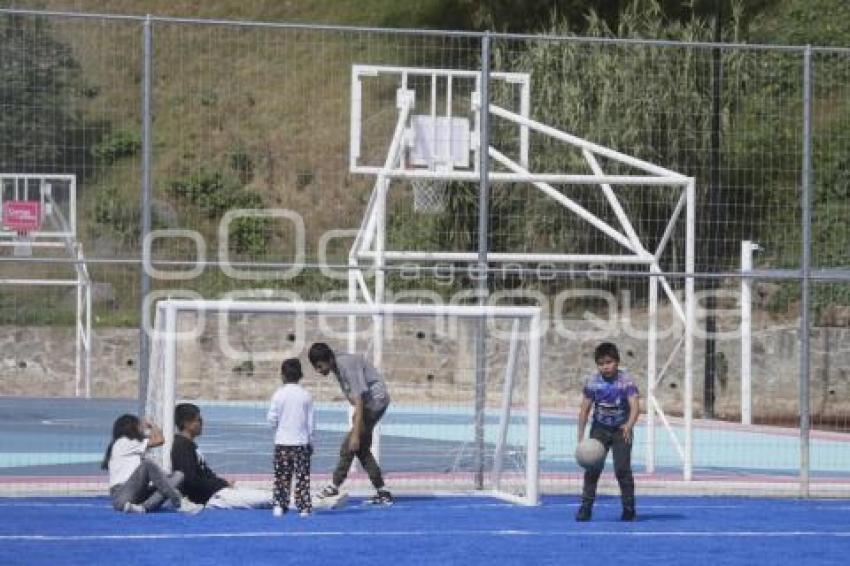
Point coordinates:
[(423, 364)]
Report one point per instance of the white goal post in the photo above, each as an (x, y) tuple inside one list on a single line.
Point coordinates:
[(430, 441)]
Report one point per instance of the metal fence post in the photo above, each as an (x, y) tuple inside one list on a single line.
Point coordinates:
[(482, 286), (144, 283), (805, 269)]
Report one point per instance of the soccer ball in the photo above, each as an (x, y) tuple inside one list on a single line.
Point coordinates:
[(590, 454)]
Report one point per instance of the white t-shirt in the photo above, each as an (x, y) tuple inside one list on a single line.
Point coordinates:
[(126, 456), (291, 413)]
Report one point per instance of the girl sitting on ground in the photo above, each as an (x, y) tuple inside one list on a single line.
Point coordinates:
[(136, 483)]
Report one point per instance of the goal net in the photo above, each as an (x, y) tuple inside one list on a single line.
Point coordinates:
[(463, 381)]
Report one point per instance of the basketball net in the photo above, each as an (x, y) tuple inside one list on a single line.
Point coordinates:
[(429, 195)]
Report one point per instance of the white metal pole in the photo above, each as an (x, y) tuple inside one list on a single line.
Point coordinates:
[(651, 374), (567, 202), (535, 331), (169, 383), (88, 340), (505, 413), (584, 144), (690, 327), (525, 111), (78, 358), (380, 275), (380, 281), (352, 298), (746, 332)]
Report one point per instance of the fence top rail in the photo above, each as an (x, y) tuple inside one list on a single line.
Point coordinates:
[(346, 309), (670, 43), (426, 32), (241, 23)]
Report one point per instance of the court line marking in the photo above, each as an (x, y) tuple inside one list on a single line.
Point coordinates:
[(427, 533), (105, 505)]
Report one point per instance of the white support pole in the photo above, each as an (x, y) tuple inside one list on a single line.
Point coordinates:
[(690, 327), (651, 374), (499, 257), (78, 327), (570, 204), (532, 470), (378, 299), (505, 413), (525, 110), (615, 203), (747, 248), (356, 117), (88, 342), (584, 144), (671, 224), (380, 275), (352, 298), (169, 383)]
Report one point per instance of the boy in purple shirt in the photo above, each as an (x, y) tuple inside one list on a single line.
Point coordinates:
[(613, 395)]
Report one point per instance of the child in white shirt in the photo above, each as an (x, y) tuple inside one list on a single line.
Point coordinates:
[(291, 413)]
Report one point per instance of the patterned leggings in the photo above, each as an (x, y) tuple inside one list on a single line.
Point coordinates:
[(286, 460)]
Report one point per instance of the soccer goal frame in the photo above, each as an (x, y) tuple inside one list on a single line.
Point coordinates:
[(162, 389)]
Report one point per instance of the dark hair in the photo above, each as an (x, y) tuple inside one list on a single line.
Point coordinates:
[(290, 370), (320, 352), (606, 349), (185, 413), (124, 426)]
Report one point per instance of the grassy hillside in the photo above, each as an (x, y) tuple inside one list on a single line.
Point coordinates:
[(259, 117), (381, 13)]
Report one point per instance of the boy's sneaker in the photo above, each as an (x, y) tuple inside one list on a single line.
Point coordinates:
[(305, 513), (584, 512), (278, 511), (328, 492), (134, 508), (628, 514), (383, 497), (189, 507)]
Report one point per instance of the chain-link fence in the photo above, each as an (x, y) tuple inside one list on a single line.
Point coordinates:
[(214, 159)]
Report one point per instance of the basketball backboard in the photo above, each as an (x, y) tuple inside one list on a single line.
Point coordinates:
[(428, 121), (51, 198)]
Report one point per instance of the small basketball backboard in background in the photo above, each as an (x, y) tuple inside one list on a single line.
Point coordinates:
[(37, 211), (22, 217), (426, 123)]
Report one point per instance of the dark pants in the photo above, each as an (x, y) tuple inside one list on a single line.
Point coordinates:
[(613, 439), (289, 460), (364, 454)]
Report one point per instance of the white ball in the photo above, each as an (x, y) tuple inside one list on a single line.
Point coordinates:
[(590, 454)]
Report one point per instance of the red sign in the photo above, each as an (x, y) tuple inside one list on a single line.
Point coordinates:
[(21, 215)]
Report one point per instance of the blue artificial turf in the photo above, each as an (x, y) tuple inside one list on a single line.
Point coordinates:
[(477, 531)]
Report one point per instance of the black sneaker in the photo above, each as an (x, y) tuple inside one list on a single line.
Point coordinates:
[(383, 497), (328, 492), (584, 512), (628, 514)]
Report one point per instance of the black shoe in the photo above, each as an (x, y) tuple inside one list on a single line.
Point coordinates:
[(383, 497), (628, 514), (328, 492), (584, 512)]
